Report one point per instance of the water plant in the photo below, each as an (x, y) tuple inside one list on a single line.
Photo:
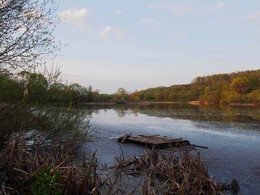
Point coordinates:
[(46, 181)]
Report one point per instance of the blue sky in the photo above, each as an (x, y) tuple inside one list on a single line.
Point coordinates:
[(113, 44)]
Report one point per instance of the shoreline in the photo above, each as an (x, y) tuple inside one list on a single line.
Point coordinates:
[(196, 103)]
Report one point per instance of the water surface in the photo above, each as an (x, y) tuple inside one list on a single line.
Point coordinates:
[(232, 136)]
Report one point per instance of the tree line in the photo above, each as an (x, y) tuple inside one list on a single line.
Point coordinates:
[(238, 87), (232, 88)]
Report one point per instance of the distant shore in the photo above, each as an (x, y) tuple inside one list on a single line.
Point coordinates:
[(164, 102)]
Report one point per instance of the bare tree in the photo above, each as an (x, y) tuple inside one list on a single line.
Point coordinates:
[(26, 34)]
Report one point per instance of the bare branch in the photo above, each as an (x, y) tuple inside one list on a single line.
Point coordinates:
[(26, 34)]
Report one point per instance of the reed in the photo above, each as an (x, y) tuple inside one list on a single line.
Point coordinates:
[(175, 173), (21, 168), (35, 171)]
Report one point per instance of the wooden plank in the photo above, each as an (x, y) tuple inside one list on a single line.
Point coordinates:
[(154, 141), (122, 139), (198, 146)]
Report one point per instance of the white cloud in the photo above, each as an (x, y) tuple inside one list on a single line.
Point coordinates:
[(75, 17), (215, 7), (150, 23), (109, 32), (105, 31), (173, 8), (254, 16)]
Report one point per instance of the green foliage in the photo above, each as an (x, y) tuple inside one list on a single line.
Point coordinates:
[(175, 93), (121, 96), (10, 90), (102, 98), (46, 181), (211, 95), (55, 93), (212, 80), (254, 96), (241, 85), (37, 88)]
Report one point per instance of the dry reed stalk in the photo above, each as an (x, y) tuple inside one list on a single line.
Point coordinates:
[(162, 173), (14, 155), (81, 180), (21, 166), (180, 174)]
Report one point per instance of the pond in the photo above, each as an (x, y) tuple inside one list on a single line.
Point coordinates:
[(232, 135)]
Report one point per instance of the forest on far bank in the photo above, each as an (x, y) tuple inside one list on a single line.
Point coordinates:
[(234, 88), (237, 87)]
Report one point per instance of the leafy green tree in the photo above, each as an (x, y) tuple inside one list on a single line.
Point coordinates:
[(254, 96), (56, 93), (90, 94), (121, 91), (158, 95), (135, 96), (122, 95), (11, 91), (37, 88), (211, 96), (241, 85)]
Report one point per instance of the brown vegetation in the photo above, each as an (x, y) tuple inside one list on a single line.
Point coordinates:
[(174, 173), (160, 173), (22, 169)]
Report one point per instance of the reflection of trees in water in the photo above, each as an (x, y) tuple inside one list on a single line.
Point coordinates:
[(220, 118), (121, 109), (121, 113), (53, 125), (195, 113), (241, 114)]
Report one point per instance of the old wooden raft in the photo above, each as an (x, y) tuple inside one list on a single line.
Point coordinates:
[(156, 141)]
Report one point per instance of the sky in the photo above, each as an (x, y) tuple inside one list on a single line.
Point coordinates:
[(114, 44)]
